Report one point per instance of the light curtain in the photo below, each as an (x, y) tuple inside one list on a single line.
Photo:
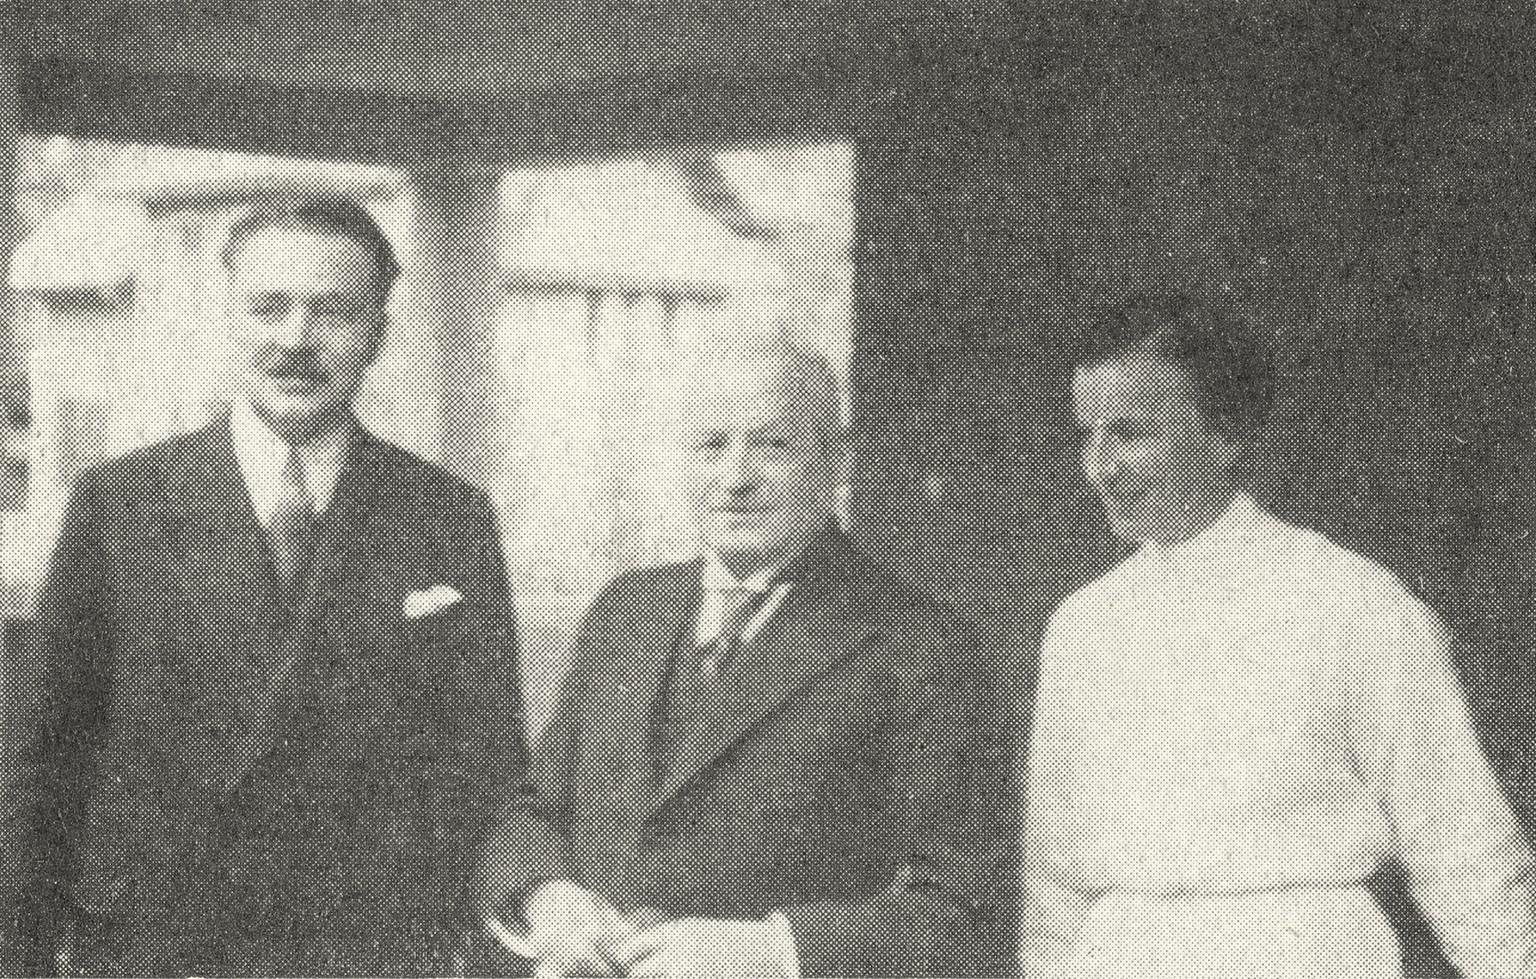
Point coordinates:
[(586, 486), (614, 272)]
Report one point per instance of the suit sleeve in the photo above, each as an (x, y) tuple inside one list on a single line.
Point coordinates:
[(491, 762), (494, 706), (54, 694), (949, 792), (529, 844)]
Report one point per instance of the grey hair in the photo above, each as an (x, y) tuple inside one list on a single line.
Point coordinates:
[(807, 374)]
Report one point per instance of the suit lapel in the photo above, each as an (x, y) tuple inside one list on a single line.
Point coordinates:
[(342, 539), (230, 603), (279, 640), (230, 563), (674, 608), (627, 661), (343, 527), (813, 629)]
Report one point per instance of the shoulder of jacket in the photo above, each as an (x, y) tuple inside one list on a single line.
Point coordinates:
[(413, 476), (893, 597), (917, 633), (643, 582), (147, 465)]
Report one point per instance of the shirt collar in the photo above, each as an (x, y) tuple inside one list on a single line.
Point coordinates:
[(719, 580), (1233, 525), (262, 455), (717, 577)]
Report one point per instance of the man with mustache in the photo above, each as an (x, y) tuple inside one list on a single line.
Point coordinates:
[(772, 760), (278, 683)]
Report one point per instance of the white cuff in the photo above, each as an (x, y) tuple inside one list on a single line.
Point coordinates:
[(783, 938)]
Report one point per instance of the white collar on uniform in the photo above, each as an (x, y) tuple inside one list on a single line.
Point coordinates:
[(1234, 524), (262, 455)]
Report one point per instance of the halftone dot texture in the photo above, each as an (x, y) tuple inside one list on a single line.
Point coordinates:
[(1354, 178), (1232, 736)]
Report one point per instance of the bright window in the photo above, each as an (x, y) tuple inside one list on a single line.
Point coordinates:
[(611, 271)]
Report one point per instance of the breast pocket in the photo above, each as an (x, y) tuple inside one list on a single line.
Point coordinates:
[(390, 687), (434, 650), (431, 633)]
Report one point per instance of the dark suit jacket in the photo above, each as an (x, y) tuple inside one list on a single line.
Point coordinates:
[(850, 777), (202, 777)]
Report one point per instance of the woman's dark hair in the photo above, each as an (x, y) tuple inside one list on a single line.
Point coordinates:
[(1230, 368)]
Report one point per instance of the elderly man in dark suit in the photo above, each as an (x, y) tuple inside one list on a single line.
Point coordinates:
[(771, 760), (278, 677)]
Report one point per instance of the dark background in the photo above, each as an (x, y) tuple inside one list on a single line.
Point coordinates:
[(1357, 178)]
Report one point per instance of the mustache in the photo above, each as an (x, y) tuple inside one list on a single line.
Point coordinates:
[(298, 364)]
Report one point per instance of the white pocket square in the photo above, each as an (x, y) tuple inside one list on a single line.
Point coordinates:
[(420, 604)]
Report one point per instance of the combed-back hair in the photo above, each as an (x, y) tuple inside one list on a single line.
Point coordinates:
[(767, 335), (340, 216), (1230, 367)]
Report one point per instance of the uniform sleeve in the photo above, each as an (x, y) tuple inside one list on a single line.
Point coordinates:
[(1469, 867), (53, 696), (1054, 905)]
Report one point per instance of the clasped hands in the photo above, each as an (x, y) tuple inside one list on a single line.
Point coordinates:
[(575, 932)]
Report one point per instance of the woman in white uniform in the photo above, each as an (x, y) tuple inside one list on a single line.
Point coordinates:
[(1242, 722)]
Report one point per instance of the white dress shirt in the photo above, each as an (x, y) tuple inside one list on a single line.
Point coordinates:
[(1230, 735), (262, 456), (719, 580)]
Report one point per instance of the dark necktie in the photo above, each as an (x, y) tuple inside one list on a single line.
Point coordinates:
[(292, 530), (737, 606), (696, 673)]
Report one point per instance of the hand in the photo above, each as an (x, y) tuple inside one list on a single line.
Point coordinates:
[(573, 931), (703, 947)]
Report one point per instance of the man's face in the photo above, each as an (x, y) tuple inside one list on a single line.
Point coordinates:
[(1155, 458), (761, 478), (306, 318)]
